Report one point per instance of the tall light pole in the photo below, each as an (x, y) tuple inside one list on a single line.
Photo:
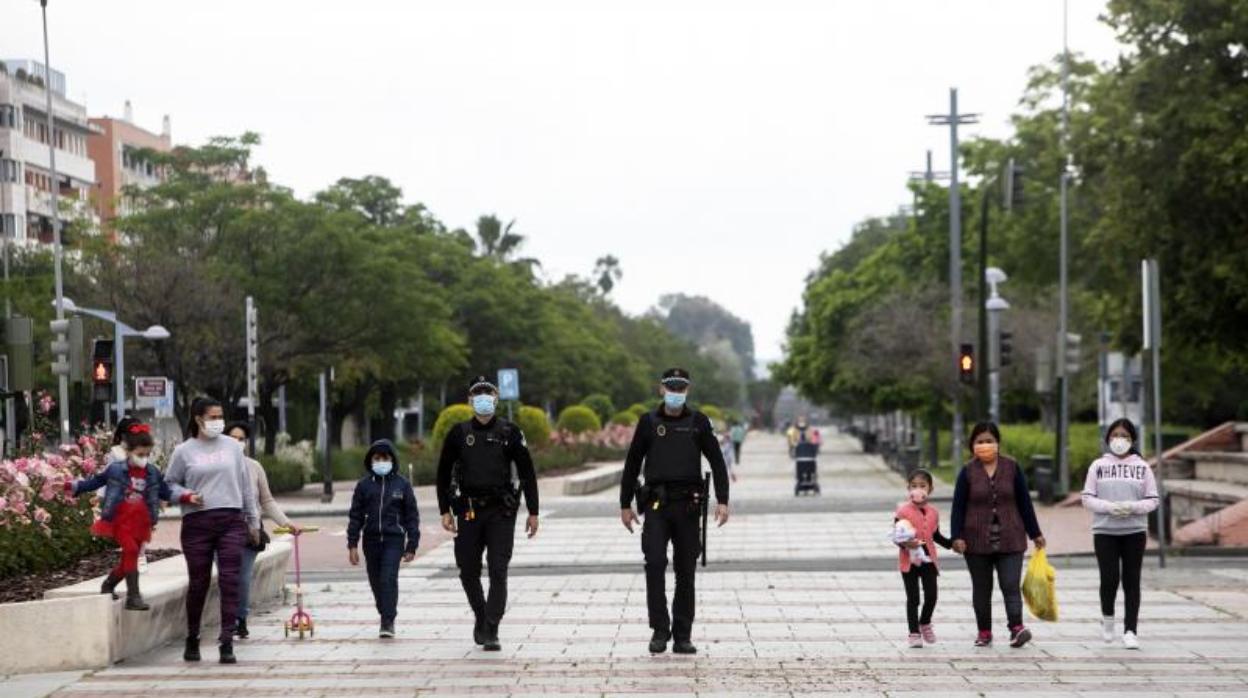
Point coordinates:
[(1063, 389), (57, 252), (952, 120), (994, 306)]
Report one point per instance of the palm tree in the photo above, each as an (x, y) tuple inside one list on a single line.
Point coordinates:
[(495, 240), (607, 272)]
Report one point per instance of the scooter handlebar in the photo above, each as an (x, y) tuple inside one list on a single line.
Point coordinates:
[(302, 530)]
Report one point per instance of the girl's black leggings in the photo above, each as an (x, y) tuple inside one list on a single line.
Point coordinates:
[(1120, 559), (927, 575)]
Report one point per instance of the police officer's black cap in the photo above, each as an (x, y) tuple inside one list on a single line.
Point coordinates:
[(481, 383), (676, 377)]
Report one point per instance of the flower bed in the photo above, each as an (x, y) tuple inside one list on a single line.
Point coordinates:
[(30, 587), (41, 527)]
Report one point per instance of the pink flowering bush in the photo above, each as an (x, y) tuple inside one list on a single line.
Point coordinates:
[(41, 526)]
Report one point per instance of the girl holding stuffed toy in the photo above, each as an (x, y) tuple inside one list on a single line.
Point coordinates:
[(916, 530), (133, 488)]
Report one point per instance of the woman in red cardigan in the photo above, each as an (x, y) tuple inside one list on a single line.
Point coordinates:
[(991, 521)]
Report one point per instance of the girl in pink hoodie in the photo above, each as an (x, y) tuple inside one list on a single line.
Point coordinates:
[(920, 530)]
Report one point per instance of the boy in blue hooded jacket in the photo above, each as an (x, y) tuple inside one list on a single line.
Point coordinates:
[(384, 514)]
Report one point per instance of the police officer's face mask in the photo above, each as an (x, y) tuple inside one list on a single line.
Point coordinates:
[(674, 400), (483, 404)]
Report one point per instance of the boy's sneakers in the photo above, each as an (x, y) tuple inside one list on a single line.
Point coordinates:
[(191, 654), (1130, 641), (929, 635), (387, 630), (916, 641), (1107, 629), (1019, 636), (984, 639)]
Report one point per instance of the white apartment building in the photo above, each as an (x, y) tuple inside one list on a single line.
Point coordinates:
[(25, 176)]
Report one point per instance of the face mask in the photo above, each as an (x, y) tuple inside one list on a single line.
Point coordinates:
[(918, 495), (140, 461), (1120, 446), (674, 401), (986, 453), (214, 428), (483, 405), (382, 467)]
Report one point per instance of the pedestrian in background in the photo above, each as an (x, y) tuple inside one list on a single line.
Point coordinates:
[(992, 518), (267, 506), (1120, 491), (738, 439)]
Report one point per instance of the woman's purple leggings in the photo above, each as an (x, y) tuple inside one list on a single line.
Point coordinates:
[(219, 534)]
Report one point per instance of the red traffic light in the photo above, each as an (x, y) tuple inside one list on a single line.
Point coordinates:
[(966, 363), (101, 372)]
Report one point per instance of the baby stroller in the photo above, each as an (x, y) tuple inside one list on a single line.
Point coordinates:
[(805, 451)]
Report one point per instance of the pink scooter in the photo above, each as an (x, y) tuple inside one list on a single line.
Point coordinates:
[(300, 621)]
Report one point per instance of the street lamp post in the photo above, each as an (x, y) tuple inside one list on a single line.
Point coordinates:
[(57, 251), (120, 331)]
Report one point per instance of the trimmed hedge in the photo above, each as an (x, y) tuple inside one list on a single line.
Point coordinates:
[(625, 418), (715, 414), (536, 427), (449, 417), (638, 409), (601, 405), (578, 419), (283, 475)]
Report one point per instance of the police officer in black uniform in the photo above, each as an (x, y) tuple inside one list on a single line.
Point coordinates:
[(479, 500), (672, 440)]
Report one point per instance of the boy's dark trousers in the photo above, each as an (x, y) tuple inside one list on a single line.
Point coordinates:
[(381, 559), (492, 532)]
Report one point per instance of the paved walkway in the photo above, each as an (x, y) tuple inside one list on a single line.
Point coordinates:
[(798, 603)]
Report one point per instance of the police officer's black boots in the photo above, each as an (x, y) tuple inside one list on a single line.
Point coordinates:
[(478, 629), (491, 643), (134, 600), (684, 647), (110, 585), (658, 641)]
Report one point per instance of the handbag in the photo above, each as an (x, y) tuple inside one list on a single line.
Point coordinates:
[(264, 542)]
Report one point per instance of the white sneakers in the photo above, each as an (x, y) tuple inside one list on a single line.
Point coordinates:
[(1130, 641), (1107, 629)]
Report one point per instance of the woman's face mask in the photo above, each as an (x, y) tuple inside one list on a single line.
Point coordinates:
[(213, 428), (986, 452), (1120, 446)]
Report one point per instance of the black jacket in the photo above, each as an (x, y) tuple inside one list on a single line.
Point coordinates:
[(517, 451), (643, 436), (384, 507)]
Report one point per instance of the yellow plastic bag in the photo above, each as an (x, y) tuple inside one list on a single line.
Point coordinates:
[(1040, 587)]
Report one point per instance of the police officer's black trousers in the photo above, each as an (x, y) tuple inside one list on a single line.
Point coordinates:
[(491, 532), (676, 522)]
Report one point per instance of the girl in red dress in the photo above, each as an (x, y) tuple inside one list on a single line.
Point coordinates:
[(132, 494)]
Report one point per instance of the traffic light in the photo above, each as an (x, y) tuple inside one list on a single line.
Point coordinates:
[(1013, 187), (60, 347), (102, 370), (1073, 352), (966, 363), (1005, 341)]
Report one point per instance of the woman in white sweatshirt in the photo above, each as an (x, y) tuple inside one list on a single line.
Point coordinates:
[(1120, 491)]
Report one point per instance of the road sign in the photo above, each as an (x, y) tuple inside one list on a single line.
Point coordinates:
[(151, 391), (508, 384)]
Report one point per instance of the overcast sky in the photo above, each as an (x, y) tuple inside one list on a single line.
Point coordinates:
[(714, 147)]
